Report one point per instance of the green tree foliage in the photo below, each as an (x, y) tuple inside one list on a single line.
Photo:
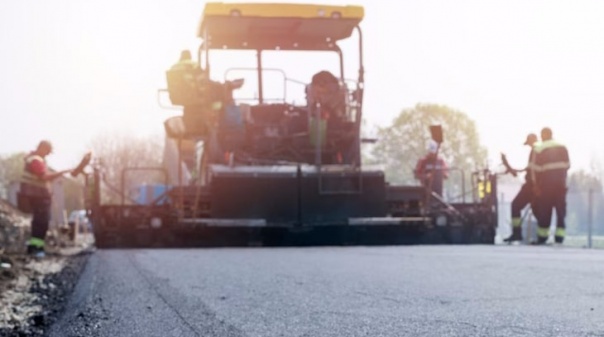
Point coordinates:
[(403, 143)]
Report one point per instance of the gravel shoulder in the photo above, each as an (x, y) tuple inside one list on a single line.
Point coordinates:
[(33, 292)]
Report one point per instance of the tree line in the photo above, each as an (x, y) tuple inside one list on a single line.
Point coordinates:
[(400, 145)]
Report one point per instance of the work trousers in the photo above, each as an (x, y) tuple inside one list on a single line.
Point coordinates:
[(437, 183), (40, 217), (551, 197), (522, 199)]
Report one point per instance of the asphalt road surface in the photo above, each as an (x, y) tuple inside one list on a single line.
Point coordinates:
[(340, 291)]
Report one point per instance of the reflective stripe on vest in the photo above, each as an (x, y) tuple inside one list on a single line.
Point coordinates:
[(552, 166), (36, 242), (30, 178), (542, 232), (560, 232), (539, 147), (549, 156)]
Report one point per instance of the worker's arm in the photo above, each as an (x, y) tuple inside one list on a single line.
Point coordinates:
[(534, 167), (39, 168), (54, 175)]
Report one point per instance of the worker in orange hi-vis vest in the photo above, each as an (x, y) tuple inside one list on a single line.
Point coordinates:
[(431, 170), (35, 196), (550, 164)]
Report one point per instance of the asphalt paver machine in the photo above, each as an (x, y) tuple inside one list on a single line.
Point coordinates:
[(266, 170)]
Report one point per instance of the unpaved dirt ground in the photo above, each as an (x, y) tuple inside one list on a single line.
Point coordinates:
[(33, 292)]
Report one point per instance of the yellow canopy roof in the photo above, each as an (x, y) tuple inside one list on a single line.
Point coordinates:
[(277, 25)]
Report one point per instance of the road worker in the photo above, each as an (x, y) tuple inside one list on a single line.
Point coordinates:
[(35, 195), (431, 170), (525, 196), (550, 164)]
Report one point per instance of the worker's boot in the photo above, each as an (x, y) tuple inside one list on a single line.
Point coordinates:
[(560, 234), (516, 235), (540, 241)]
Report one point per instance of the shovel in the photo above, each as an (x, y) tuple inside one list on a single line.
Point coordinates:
[(80, 168)]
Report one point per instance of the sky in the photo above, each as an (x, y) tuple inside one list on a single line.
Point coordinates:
[(73, 70)]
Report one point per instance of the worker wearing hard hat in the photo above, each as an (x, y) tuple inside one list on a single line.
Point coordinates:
[(34, 195), (525, 196)]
